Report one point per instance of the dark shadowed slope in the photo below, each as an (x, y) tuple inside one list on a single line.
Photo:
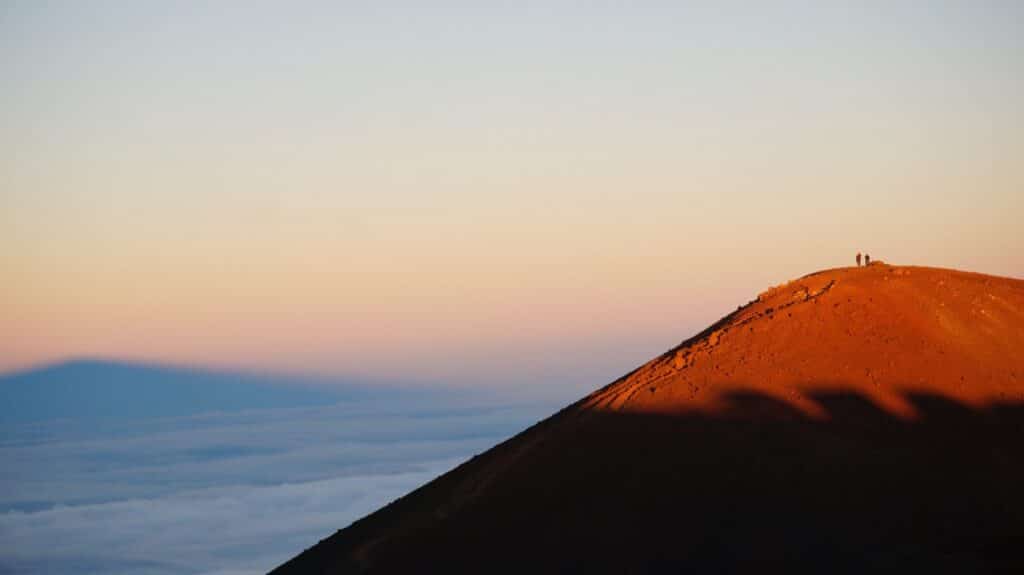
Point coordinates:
[(853, 420)]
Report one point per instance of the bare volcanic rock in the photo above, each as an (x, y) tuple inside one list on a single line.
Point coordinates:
[(854, 420)]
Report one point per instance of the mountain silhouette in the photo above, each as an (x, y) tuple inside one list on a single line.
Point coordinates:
[(853, 420), (99, 389)]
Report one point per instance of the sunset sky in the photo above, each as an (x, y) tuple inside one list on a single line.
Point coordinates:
[(483, 194)]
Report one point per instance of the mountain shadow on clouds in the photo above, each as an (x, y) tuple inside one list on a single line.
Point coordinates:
[(92, 389)]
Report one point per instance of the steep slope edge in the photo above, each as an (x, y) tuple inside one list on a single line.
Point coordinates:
[(852, 419)]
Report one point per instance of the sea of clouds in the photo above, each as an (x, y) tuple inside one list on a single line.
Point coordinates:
[(225, 492)]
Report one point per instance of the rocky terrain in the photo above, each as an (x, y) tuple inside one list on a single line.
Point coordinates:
[(852, 420)]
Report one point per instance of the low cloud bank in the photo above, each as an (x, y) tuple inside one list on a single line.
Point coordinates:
[(226, 493)]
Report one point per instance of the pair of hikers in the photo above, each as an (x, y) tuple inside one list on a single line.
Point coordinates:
[(867, 259)]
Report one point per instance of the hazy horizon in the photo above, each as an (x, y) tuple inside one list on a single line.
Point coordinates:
[(483, 195), (460, 217)]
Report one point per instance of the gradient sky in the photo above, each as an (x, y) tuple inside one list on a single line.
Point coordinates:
[(525, 193)]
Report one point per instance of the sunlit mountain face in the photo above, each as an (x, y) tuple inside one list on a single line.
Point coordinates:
[(366, 241), (851, 420)]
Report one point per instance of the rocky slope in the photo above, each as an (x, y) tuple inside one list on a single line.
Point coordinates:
[(854, 419)]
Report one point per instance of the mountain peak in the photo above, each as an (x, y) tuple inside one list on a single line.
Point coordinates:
[(880, 330), (849, 420)]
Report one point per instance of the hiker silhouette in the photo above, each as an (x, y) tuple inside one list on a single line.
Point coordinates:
[(858, 259)]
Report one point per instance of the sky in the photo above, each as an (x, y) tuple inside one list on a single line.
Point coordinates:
[(482, 194)]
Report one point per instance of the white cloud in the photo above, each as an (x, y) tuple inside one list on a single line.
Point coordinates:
[(235, 493), (225, 527)]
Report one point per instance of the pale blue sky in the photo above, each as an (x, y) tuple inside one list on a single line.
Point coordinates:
[(520, 188)]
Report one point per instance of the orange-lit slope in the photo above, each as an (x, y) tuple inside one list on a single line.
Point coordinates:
[(853, 420), (881, 331)]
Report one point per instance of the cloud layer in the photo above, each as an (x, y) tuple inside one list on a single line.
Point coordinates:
[(222, 493)]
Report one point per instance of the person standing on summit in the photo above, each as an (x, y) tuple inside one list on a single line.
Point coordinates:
[(867, 259), (858, 259)]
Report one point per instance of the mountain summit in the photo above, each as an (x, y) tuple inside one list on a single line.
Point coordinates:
[(853, 420)]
